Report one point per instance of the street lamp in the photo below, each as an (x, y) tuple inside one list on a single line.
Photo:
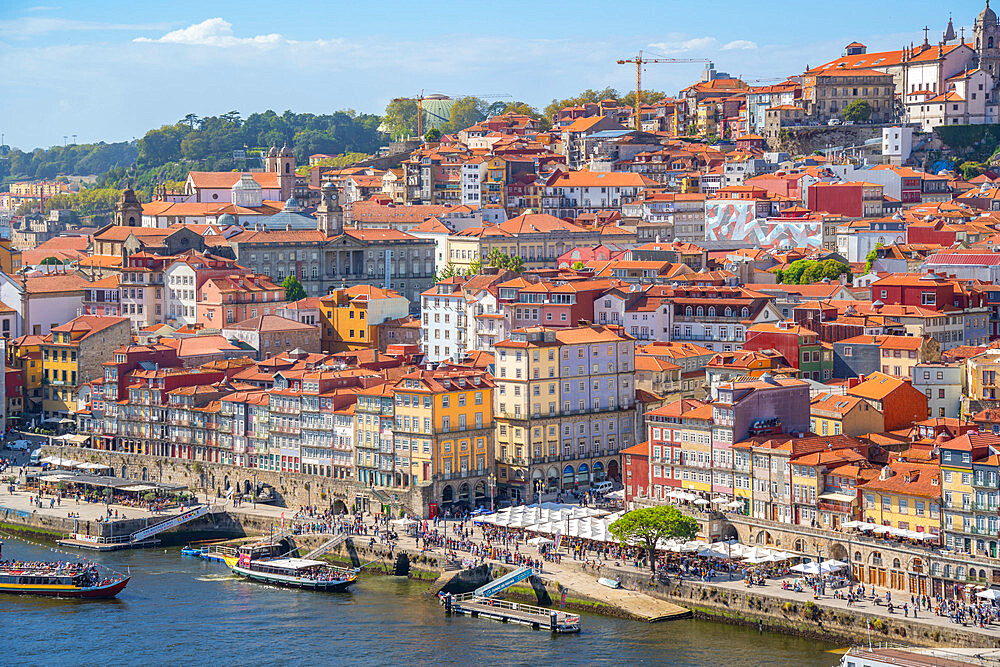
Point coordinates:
[(492, 479), (539, 486)]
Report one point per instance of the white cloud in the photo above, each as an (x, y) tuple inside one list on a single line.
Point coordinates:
[(681, 44), (215, 32), (740, 44), (42, 8)]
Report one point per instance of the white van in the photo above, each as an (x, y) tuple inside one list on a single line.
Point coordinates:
[(35, 457), (603, 487)]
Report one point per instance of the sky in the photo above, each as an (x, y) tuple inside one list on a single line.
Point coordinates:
[(109, 70)]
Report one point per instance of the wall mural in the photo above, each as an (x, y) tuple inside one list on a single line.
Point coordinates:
[(736, 221)]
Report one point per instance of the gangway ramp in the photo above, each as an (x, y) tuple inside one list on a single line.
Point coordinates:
[(327, 546), (503, 583), (172, 522)]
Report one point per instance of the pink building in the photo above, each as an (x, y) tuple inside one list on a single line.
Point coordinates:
[(238, 297)]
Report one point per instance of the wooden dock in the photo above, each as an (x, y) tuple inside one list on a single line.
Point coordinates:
[(537, 618), (109, 545)]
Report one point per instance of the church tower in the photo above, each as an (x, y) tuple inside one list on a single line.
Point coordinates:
[(987, 41), (128, 210), (329, 214), (282, 163)]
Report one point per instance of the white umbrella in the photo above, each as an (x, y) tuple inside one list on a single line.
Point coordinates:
[(538, 541), (616, 495), (720, 501), (701, 501), (805, 568), (715, 551), (403, 522), (989, 594), (733, 505), (826, 567), (850, 524)]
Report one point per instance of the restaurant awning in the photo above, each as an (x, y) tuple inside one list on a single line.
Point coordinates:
[(838, 497)]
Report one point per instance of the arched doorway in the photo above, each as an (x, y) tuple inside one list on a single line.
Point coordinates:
[(799, 546), (226, 486), (447, 494), (568, 476), (339, 507), (553, 481), (764, 537), (583, 475), (613, 471), (124, 472), (480, 493), (246, 487), (463, 494), (600, 474), (838, 552), (145, 475)]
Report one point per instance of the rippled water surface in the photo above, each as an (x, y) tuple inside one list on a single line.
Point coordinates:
[(185, 611)]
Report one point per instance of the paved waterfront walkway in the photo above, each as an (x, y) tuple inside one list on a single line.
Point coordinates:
[(21, 501)]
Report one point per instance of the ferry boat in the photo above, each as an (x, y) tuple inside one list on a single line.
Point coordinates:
[(291, 572), (64, 580)]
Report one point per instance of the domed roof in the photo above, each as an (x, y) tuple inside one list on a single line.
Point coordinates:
[(292, 205), (273, 152), (226, 219), (286, 151), (987, 16), (246, 182)]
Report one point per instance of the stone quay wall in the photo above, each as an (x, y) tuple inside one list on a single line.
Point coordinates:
[(293, 489)]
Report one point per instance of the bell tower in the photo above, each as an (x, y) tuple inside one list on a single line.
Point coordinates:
[(128, 210), (329, 214), (987, 41)]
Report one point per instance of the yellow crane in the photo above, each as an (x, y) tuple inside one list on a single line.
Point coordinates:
[(639, 61)]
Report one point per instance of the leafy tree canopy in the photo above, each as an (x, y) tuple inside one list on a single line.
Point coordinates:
[(647, 526), (293, 289), (807, 271), (858, 110), (501, 260)]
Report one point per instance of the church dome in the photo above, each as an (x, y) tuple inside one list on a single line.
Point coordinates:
[(226, 219), (292, 205), (287, 152), (246, 182), (273, 152), (987, 16)]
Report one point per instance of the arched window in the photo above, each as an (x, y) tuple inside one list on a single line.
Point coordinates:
[(857, 555), (729, 311), (701, 311), (711, 311), (689, 311), (917, 566), (895, 564), (746, 312), (960, 572), (989, 43), (288, 168)]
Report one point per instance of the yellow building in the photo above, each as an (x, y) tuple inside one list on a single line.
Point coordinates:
[(10, 258), (349, 317), (836, 414), (905, 495), (73, 354), (444, 424), (25, 353)]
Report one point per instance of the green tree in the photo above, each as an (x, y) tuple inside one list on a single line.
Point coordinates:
[(648, 97), (432, 134), (446, 271), (647, 526), (778, 275), (871, 257), (50, 261), (400, 118), (857, 111), (475, 266), (577, 266), (501, 260), (293, 289), (793, 272), (970, 169), (832, 269), (465, 112), (813, 273)]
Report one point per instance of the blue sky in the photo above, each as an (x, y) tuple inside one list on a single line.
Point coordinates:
[(110, 70)]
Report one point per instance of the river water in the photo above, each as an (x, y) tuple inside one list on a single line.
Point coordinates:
[(180, 610)]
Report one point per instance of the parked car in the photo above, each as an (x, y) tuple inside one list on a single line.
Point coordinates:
[(833, 121), (19, 445)]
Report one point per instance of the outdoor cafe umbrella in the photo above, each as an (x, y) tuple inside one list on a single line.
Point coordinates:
[(989, 594), (805, 568), (701, 501), (538, 541)]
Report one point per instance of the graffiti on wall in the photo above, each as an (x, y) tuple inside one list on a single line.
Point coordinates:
[(736, 221)]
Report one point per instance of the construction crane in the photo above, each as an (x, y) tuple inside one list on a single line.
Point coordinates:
[(639, 61), (438, 96)]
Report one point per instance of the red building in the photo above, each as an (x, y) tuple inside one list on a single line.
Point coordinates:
[(794, 342), (854, 200), (751, 142), (14, 386), (118, 371), (635, 464), (927, 291), (663, 428)]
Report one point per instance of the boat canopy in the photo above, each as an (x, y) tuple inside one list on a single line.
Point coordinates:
[(293, 563)]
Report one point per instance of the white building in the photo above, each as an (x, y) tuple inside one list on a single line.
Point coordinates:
[(963, 101), (473, 173), (942, 384), (897, 143), (180, 293), (442, 310)]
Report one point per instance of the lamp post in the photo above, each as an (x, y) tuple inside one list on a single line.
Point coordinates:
[(492, 482)]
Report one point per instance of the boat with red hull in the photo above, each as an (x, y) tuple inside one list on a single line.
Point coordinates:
[(63, 580)]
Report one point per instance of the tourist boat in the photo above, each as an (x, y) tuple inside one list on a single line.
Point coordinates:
[(610, 583), (64, 580), (292, 572)]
